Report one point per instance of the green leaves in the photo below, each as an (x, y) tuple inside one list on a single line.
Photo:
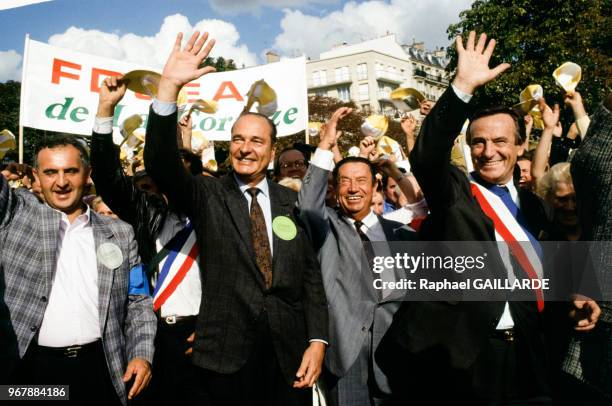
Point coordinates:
[(536, 40)]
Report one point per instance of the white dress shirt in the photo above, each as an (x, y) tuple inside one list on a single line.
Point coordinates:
[(72, 315), (185, 300)]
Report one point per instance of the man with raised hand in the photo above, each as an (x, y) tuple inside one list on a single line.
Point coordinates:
[(167, 247), (261, 331), (475, 351), (359, 313), (64, 296)]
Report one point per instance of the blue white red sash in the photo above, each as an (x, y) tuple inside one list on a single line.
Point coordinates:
[(508, 230), (182, 253)]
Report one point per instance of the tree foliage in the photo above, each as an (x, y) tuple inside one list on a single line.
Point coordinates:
[(221, 64), (9, 118), (535, 37), (320, 108)]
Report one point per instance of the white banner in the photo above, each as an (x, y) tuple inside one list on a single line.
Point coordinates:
[(6, 4), (60, 93)]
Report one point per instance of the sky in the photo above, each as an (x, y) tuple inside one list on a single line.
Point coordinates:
[(143, 31)]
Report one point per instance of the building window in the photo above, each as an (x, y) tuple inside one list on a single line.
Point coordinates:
[(362, 71), (364, 91), (343, 93), (342, 74), (319, 77)]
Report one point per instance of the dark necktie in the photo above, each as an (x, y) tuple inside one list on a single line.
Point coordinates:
[(259, 235), (367, 244)]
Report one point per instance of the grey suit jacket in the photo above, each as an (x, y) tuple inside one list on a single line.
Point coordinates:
[(29, 233), (354, 304)]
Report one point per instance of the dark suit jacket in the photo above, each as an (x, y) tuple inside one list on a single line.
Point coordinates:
[(145, 212), (459, 331), (233, 289)]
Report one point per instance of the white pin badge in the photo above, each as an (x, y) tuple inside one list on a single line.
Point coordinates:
[(110, 255)]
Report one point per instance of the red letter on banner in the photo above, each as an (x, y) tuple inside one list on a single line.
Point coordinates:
[(234, 92), (192, 93), (95, 77), (142, 96), (57, 70)]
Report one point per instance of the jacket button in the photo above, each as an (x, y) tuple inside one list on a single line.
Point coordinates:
[(364, 328), (33, 329), (43, 299)]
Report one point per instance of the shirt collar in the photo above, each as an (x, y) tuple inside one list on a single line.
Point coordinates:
[(509, 185), (83, 219), (262, 186), (369, 221)]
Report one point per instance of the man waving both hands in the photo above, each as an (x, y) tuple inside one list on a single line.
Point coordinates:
[(262, 327)]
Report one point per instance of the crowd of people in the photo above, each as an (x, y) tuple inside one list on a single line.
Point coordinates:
[(169, 283)]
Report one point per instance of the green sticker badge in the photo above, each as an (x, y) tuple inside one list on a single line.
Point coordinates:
[(284, 228)]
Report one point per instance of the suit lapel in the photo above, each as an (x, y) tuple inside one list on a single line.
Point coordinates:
[(239, 210), (102, 234), (388, 228), (50, 220), (280, 206)]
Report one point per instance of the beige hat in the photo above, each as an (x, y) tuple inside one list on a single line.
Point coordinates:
[(388, 146), (375, 126), (406, 98), (7, 142), (205, 106), (567, 76), (264, 95), (353, 151), (314, 127), (536, 114), (528, 99), (131, 139), (142, 81)]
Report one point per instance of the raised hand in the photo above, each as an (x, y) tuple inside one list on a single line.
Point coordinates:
[(184, 65), (388, 168), (330, 135), (367, 148), (528, 124), (574, 100), (549, 116), (473, 63), (112, 91)]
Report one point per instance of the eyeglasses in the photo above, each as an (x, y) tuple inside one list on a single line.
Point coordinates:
[(295, 164)]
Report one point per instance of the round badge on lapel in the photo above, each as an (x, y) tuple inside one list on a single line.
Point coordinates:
[(110, 255), (284, 228)]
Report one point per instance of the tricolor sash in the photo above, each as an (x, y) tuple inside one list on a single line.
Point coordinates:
[(523, 246), (174, 261)]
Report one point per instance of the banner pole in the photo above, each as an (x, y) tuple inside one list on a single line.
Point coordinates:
[(21, 103)]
